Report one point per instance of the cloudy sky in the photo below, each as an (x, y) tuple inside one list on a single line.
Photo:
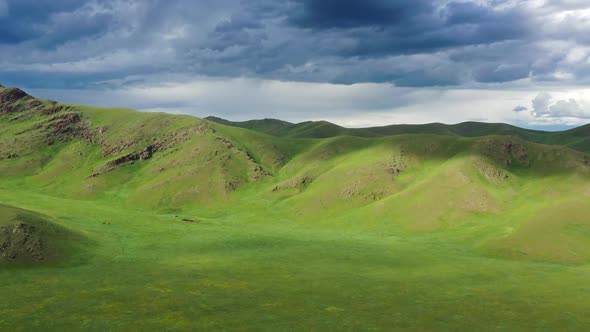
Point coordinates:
[(353, 62)]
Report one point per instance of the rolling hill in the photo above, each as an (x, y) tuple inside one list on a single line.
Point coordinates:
[(295, 226), (163, 162), (576, 138)]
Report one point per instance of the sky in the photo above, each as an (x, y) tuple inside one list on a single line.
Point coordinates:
[(353, 62)]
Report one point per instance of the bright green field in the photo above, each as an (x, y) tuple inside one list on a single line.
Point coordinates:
[(256, 271), (406, 232)]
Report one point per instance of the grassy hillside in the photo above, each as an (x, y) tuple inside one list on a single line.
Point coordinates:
[(172, 163), (577, 138), (268, 126), (197, 225)]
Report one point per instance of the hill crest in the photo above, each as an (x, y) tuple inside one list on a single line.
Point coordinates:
[(577, 138)]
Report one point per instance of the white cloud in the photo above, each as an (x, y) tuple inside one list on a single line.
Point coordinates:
[(545, 106), (541, 104)]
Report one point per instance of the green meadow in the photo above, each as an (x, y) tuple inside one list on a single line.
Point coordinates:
[(138, 221)]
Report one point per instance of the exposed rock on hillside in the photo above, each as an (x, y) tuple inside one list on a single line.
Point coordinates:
[(140, 155), (506, 153), (398, 164), (490, 172), (23, 110), (256, 172), (299, 183), (64, 127), (52, 110), (35, 104), (231, 185), (11, 95), (162, 142), (27, 237), (20, 242)]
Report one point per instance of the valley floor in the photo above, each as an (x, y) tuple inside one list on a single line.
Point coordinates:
[(240, 270)]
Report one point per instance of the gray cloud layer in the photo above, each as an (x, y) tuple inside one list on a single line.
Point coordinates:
[(407, 43)]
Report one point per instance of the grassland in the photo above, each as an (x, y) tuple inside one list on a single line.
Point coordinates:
[(417, 232)]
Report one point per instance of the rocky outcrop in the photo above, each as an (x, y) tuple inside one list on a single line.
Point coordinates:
[(507, 153), (298, 183), (397, 164), (14, 100), (19, 242), (490, 171), (35, 104), (144, 154), (52, 110), (231, 185), (140, 155), (65, 119), (11, 95), (65, 125), (256, 172), (163, 142)]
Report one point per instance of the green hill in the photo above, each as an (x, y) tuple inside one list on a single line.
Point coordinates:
[(203, 225), (577, 138), (268, 126)]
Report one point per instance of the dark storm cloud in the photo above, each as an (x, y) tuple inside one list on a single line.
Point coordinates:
[(328, 14), (345, 35), (399, 26), (406, 43)]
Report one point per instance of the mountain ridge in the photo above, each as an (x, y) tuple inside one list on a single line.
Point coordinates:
[(577, 138)]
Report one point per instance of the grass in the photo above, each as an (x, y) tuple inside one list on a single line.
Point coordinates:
[(415, 232), (238, 272)]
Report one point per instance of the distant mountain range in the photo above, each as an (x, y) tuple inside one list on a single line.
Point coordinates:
[(576, 138)]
